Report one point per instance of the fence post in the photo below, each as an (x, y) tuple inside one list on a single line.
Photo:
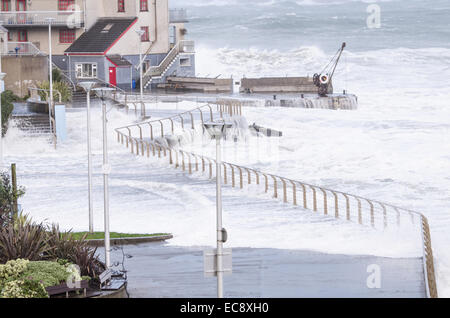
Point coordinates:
[(336, 205), (14, 188)]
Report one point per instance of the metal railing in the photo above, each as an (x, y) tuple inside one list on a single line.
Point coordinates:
[(22, 49), (183, 46), (34, 92), (331, 203), (39, 18), (178, 16)]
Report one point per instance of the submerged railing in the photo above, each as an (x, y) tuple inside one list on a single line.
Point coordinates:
[(331, 203)]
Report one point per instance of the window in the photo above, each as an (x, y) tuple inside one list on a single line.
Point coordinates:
[(86, 70), (185, 61), (6, 5), (66, 35), (10, 36), (144, 5), (21, 5), (107, 28), (64, 5), (146, 36), (121, 6), (23, 36)]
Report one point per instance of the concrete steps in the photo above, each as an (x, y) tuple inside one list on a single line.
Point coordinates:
[(35, 125), (148, 79)]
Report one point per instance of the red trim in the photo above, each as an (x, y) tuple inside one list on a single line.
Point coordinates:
[(81, 54), (114, 43), (123, 33), (112, 62)]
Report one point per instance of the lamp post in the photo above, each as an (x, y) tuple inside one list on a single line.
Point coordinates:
[(103, 93), (87, 86), (50, 69), (217, 130), (2, 76), (140, 33)]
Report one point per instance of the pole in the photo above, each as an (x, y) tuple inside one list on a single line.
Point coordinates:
[(91, 216), (106, 188), (141, 78), (14, 188), (50, 68), (219, 219), (1, 123)]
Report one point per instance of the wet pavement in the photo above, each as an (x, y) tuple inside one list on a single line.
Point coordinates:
[(158, 270)]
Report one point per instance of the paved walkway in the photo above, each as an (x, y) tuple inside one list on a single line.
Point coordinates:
[(157, 270)]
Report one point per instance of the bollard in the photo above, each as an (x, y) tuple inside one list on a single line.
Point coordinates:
[(14, 188)]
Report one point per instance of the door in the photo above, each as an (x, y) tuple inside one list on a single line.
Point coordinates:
[(21, 5), (112, 76)]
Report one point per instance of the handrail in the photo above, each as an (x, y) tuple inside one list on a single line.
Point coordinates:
[(183, 46), (365, 214), (46, 92)]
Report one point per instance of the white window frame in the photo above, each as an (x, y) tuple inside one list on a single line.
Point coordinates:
[(79, 70), (185, 64)]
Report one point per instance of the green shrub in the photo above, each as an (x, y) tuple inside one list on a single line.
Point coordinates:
[(24, 288), (56, 74), (65, 247), (49, 273), (8, 98), (24, 279), (62, 87), (12, 270), (23, 238)]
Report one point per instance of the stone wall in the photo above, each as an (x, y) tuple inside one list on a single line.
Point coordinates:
[(23, 72)]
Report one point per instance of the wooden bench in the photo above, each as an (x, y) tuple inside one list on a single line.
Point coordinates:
[(64, 289)]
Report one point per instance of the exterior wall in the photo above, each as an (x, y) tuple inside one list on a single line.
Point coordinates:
[(101, 66), (153, 59), (130, 43), (39, 37), (24, 71), (44, 5), (94, 9), (179, 33), (123, 75)]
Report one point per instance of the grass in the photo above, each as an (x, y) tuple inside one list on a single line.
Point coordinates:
[(113, 235)]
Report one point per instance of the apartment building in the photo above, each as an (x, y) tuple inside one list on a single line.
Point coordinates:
[(100, 39)]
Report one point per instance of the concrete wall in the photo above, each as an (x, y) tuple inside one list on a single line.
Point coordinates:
[(22, 72), (280, 85)]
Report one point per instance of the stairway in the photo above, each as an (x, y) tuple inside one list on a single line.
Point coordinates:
[(148, 79), (35, 125), (79, 99)]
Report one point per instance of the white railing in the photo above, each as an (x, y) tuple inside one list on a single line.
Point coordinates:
[(22, 48), (29, 18), (181, 47), (331, 203), (178, 16)]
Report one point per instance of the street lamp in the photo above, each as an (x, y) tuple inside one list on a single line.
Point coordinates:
[(140, 33), (2, 76), (217, 130), (105, 92), (87, 86), (50, 69)]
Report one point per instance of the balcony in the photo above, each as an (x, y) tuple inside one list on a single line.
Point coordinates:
[(178, 16), (20, 49), (71, 19)]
